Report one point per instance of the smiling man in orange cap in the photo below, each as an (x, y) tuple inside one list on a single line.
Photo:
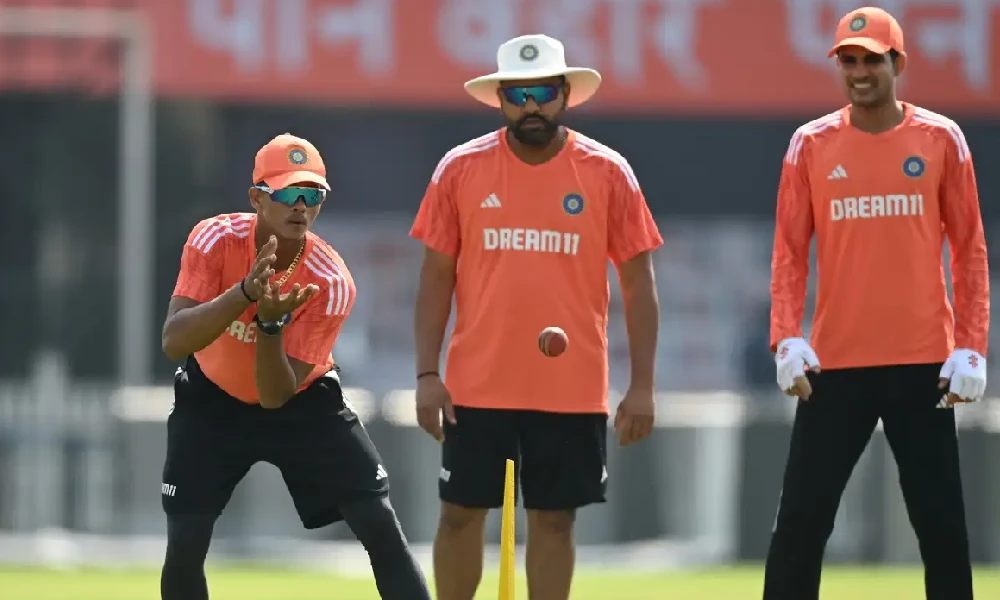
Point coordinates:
[(881, 185)]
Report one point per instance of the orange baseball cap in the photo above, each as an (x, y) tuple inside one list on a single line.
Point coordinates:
[(870, 28), (287, 160)]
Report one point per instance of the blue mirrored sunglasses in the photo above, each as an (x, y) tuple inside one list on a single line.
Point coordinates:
[(291, 194), (543, 94)]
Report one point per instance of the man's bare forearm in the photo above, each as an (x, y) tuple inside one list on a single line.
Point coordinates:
[(276, 379), (192, 329), (642, 322), (433, 308)]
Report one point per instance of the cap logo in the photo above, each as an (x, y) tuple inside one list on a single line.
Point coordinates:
[(528, 52), (858, 23), (297, 156)]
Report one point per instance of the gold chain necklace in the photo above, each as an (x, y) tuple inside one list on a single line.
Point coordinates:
[(291, 267)]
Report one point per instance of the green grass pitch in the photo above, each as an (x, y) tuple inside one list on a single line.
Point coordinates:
[(248, 583)]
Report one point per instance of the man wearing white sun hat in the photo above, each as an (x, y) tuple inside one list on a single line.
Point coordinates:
[(519, 225), (534, 57)]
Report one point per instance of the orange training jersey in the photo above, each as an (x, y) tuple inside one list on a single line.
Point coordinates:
[(881, 207), (218, 255), (532, 244)]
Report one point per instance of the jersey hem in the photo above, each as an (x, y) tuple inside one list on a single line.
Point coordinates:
[(882, 363), (577, 410)]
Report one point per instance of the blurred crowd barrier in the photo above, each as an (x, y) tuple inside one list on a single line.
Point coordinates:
[(80, 483)]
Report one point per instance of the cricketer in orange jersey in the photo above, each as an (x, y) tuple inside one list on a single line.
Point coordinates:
[(217, 256), (519, 225), (255, 314), (880, 185)]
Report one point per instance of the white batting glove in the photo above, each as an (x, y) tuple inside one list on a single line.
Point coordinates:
[(793, 357), (964, 376)]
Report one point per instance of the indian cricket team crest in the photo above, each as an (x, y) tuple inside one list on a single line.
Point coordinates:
[(297, 156), (913, 166), (858, 23), (573, 204), (529, 52)]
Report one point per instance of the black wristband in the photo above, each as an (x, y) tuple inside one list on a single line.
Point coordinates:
[(272, 327), (244, 290), (428, 374)]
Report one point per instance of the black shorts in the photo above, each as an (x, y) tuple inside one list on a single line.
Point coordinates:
[(316, 440), (561, 459)]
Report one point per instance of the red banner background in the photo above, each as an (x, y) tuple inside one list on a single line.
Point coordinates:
[(746, 56)]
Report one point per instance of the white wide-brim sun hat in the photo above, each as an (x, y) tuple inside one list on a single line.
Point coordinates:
[(534, 57)]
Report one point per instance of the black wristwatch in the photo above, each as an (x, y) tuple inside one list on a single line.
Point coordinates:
[(272, 327)]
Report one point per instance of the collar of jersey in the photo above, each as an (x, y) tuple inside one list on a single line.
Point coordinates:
[(908, 109)]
